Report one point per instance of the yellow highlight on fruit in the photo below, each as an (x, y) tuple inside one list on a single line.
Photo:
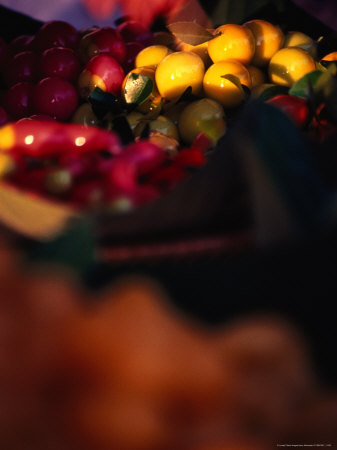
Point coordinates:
[(177, 71), (257, 76), (151, 56), (299, 39), (164, 126), (235, 42), (7, 138), (223, 90), (154, 100), (202, 116), (268, 40), (289, 65), (200, 50), (87, 82)]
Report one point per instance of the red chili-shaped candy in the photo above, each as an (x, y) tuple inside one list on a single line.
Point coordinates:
[(44, 139)]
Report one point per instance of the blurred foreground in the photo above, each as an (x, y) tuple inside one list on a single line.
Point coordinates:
[(130, 372)]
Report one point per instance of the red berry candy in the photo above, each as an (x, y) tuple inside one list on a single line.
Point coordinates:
[(18, 44), (18, 100), (103, 40), (296, 108), (133, 31), (22, 67), (3, 52), (60, 62), (55, 97), (3, 116), (56, 33), (103, 71), (132, 50)]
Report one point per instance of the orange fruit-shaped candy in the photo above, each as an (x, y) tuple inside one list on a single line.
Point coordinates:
[(289, 65), (223, 90), (234, 42), (268, 40)]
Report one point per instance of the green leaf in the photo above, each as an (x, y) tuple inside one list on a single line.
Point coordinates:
[(303, 87), (326, 80), (190, 32), (235, 80), (138, 88), (103, 102)]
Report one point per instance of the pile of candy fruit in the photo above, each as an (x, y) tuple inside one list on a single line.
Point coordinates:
[(119, 115)]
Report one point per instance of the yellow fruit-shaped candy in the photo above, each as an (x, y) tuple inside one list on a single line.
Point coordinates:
[(152, 55), (201, 50), (164, 126), (223, 90), (289, 65), (202, 116), (177, 71), (154, 99), (234, 42), (268, 40), (257, 76), (299, 39)]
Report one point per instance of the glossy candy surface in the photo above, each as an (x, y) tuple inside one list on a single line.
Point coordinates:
[(177, 71)]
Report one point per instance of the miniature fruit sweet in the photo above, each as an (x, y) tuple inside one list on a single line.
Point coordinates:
[(257, 76), (222, 89), (235, 42), (60, 62), (19, 44), (56, 33), (177, 71), (18, 100), (299, 39), (101, 71), (164, 126), (22, 67), (152, 55), (55, 97), (200, 49), (289, 65), (268, 40), (134, 31), (202, 116), (105, 40), (152, 101)]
